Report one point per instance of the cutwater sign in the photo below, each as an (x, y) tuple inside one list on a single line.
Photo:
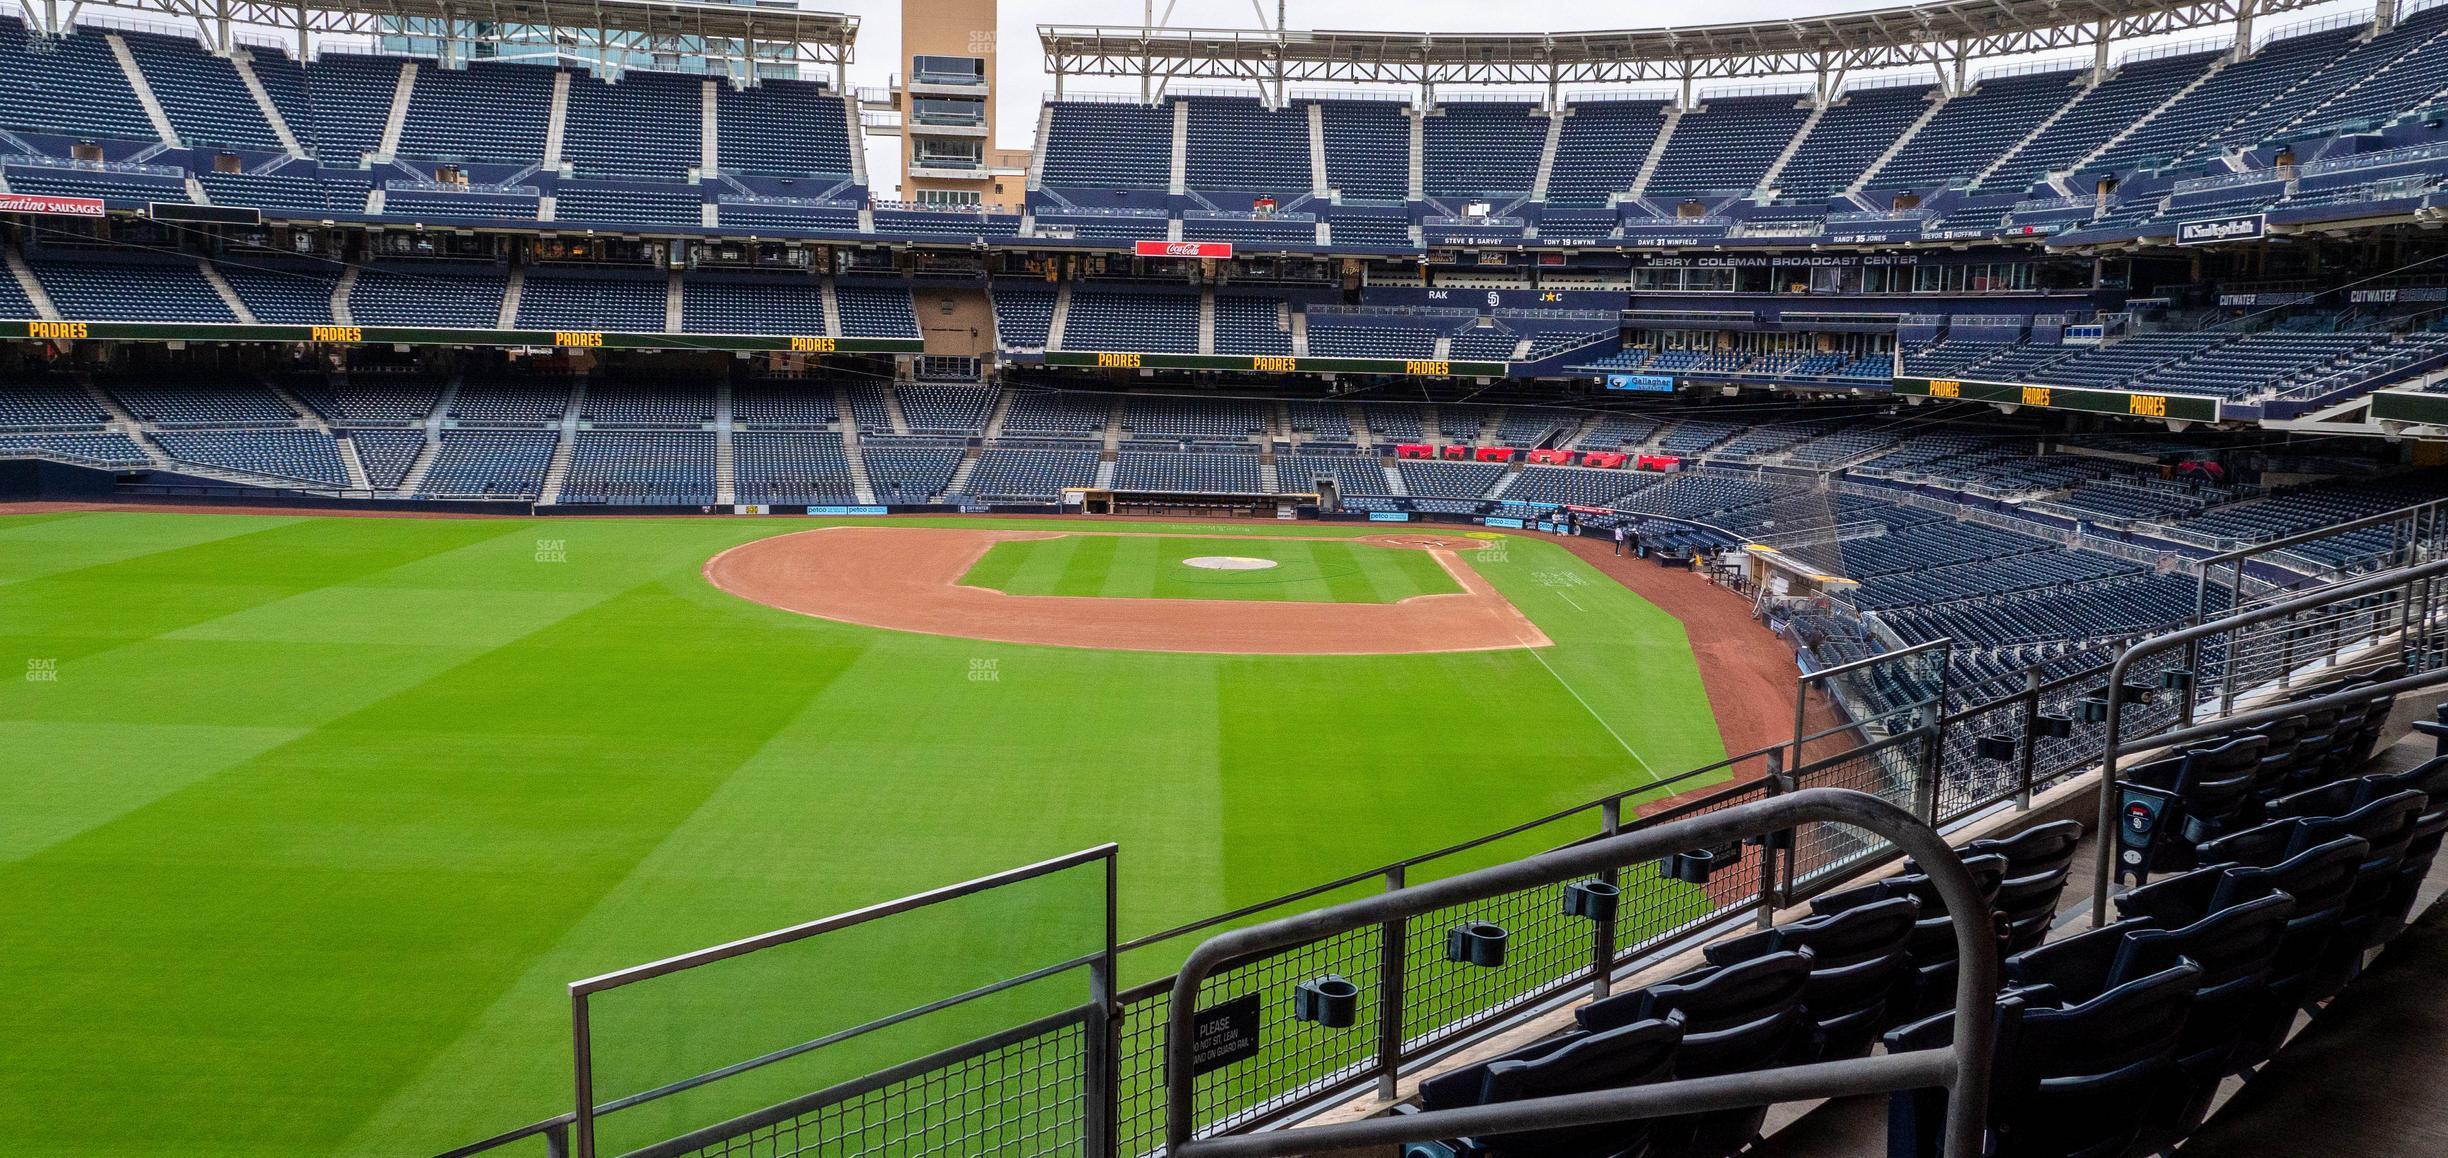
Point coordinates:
[(2212, 230)]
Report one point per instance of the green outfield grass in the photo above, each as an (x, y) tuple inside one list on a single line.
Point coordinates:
[(1154, 566), (308, 821)]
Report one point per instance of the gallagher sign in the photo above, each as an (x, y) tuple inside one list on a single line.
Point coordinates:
[(58, 206), (2217, 229), (1204, 249)]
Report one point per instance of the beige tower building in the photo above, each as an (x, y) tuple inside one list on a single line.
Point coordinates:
[(944, 95)]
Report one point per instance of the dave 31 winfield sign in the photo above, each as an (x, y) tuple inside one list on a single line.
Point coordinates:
[(1208, 249)]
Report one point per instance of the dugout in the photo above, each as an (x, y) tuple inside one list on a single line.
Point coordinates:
[(1775, 575), (1188, 504)]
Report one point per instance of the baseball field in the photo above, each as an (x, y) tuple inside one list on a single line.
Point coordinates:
[(305, 822)]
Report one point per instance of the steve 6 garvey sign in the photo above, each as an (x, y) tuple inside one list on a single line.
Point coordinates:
[(1214, 249)]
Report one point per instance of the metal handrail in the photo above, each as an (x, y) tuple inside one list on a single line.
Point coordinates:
[(2333, 530), (1380, 872), (580, 1121), (2187, 638), (1962, 1069)]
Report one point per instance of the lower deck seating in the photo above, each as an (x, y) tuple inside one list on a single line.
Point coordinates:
[(1194, 472), (387, 455), (494, 463), (1031, 473), (1450, 480), (640, 466), (307, 455), (910, 470), (789, 466), (94, 447)]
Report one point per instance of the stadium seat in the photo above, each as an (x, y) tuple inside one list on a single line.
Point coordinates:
[(1633, 1054)]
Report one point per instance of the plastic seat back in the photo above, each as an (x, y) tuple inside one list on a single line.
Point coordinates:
[(2174, 901), (2261, 845), (1730, 996), (2236, 941), (1709, 997), (2079, 967), (2318, 878), (1632, 1055), (1867, 931), (2035, 849)]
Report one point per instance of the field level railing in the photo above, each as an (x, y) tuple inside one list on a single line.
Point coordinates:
[(1962, 1069), (2403, 603), (1903, 734)]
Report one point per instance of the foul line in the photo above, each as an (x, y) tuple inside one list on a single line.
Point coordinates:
[(1593, 714)]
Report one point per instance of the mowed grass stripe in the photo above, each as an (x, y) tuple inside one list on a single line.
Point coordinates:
[(91, 609), (470, 819), (359, 931), (1115, 567), (833, 808), (278, 670), (1042, 568), (32, 546)]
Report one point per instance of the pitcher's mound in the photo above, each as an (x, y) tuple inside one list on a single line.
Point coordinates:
[(1228, 563)]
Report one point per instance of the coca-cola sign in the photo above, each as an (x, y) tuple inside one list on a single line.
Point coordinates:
[(1204, 249), (57, 206)]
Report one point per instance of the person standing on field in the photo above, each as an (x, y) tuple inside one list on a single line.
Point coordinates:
[(1620, 535)]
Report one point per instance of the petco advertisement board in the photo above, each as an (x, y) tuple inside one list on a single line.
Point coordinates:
[(2217, 229), (1208, 249)]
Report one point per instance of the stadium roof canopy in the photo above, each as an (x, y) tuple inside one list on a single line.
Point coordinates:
[(1945, 35), (717, 31)]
